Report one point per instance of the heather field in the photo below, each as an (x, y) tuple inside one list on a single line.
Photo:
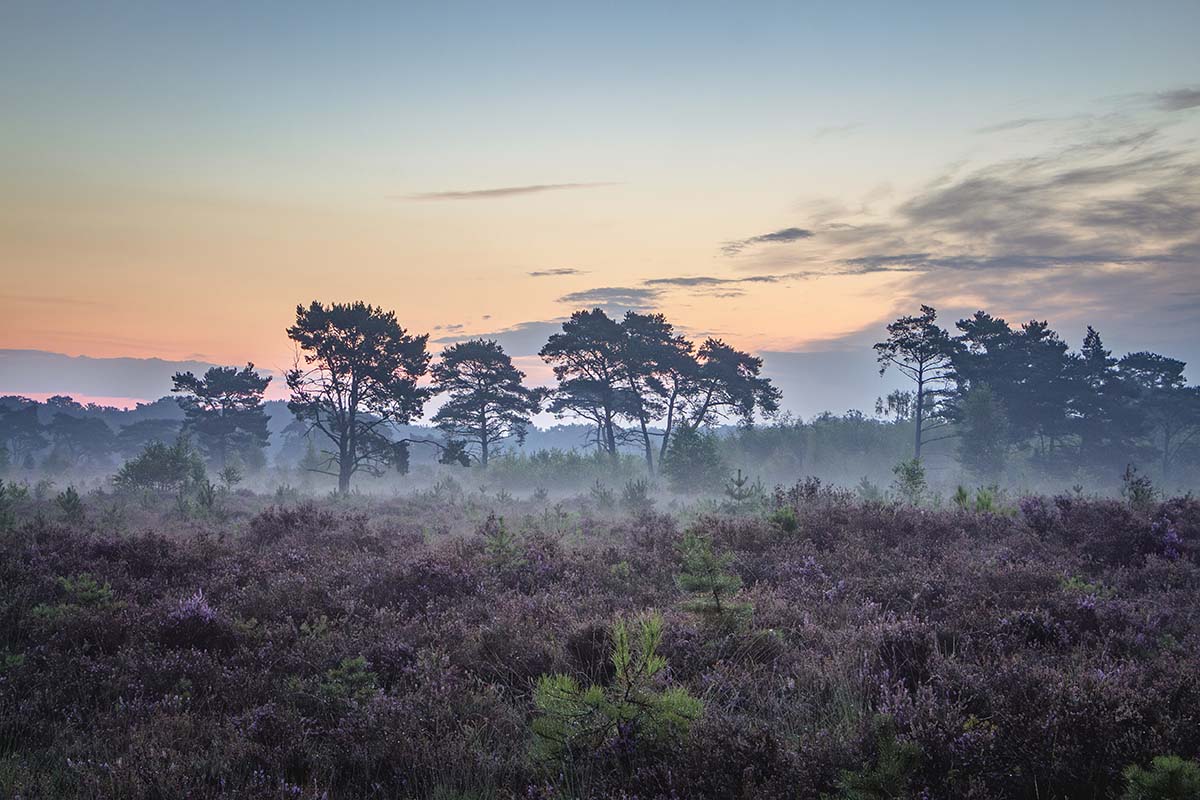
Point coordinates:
[(458, 644)]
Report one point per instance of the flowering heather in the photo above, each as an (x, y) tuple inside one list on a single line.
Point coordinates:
[(395, 648), (194, 608)]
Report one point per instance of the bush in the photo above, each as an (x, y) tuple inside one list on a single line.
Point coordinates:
[(71, 505), (693, 462), (614, 721), (705, 575), (910, 482), (162, 467), (1169, 778)]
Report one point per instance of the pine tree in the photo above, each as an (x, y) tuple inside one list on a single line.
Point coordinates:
[(613, 720), (705, 575)]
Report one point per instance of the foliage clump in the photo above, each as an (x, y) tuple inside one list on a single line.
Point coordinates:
[(162, 467), (892, 773), (1168, 778), (706, 577), (618, 721), (910, 484)]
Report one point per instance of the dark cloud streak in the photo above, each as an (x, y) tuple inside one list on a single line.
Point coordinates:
[(504, 191), (783, 236), (556, 273)]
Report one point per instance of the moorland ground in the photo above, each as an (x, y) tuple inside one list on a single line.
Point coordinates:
[(459, 644)]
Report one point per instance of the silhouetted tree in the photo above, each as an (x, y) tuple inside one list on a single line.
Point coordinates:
[(588, 358), (898, 405), (81, 439), (729, 384), (658, 367), (1104, 416), (134, 437), (21, 433), (1043, 389), (487, 402), (1030, 373), (1171, 407), (224, 411), (923, 352), (359, 376), (983, 433)]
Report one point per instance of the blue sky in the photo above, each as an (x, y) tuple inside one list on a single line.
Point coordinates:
[(178, 176)]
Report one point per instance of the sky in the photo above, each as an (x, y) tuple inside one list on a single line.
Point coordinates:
[(176, 177)]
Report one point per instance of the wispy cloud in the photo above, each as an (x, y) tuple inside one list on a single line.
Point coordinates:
[(775, 237), (614, 297), (834, 130), (556, 272), (505, 191), (1013, 124), (710, 281), (1178, 99)]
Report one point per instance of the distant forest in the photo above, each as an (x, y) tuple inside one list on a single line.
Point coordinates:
[(987, 403)]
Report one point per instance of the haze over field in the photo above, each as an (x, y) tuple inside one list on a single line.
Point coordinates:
[(178, 178), (767, 400)]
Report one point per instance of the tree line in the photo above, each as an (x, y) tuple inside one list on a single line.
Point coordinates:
[(638, 382), (1000, 389), (359, 372)]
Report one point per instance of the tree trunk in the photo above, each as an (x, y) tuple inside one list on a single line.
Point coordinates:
[(610, 437), (646, 441), (920, 417), (483, 440), (662, 451)]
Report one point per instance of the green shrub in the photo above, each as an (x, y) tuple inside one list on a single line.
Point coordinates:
[(350, 681), (891, 776), (502, 546), (71, 505), (693, 462), (80, 592), (635, 497), (785, 519), (706, 577), (162, 468), (573, 722), (1169, 778), (910, 483)]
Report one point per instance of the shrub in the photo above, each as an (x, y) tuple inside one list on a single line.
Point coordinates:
[(910, 481), (635, 497), (11, 494), (705, 575), (1138, 490), (891, 775), (501, 545), (71, 505), (1169, 778), (350, 681), (162, 467), (785, 519), (693, 462), (275, 523), (614, 721)]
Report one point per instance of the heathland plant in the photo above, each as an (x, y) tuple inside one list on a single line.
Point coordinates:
[(706, 577), (1168, 778), (617, 719)]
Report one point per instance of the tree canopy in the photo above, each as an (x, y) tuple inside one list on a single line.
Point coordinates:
[(356, 378), (224, 412), (486, 401)]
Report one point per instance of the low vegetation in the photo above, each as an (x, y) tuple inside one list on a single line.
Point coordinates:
[(797, 643)]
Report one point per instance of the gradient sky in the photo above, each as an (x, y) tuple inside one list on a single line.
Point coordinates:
[(175, 177)]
